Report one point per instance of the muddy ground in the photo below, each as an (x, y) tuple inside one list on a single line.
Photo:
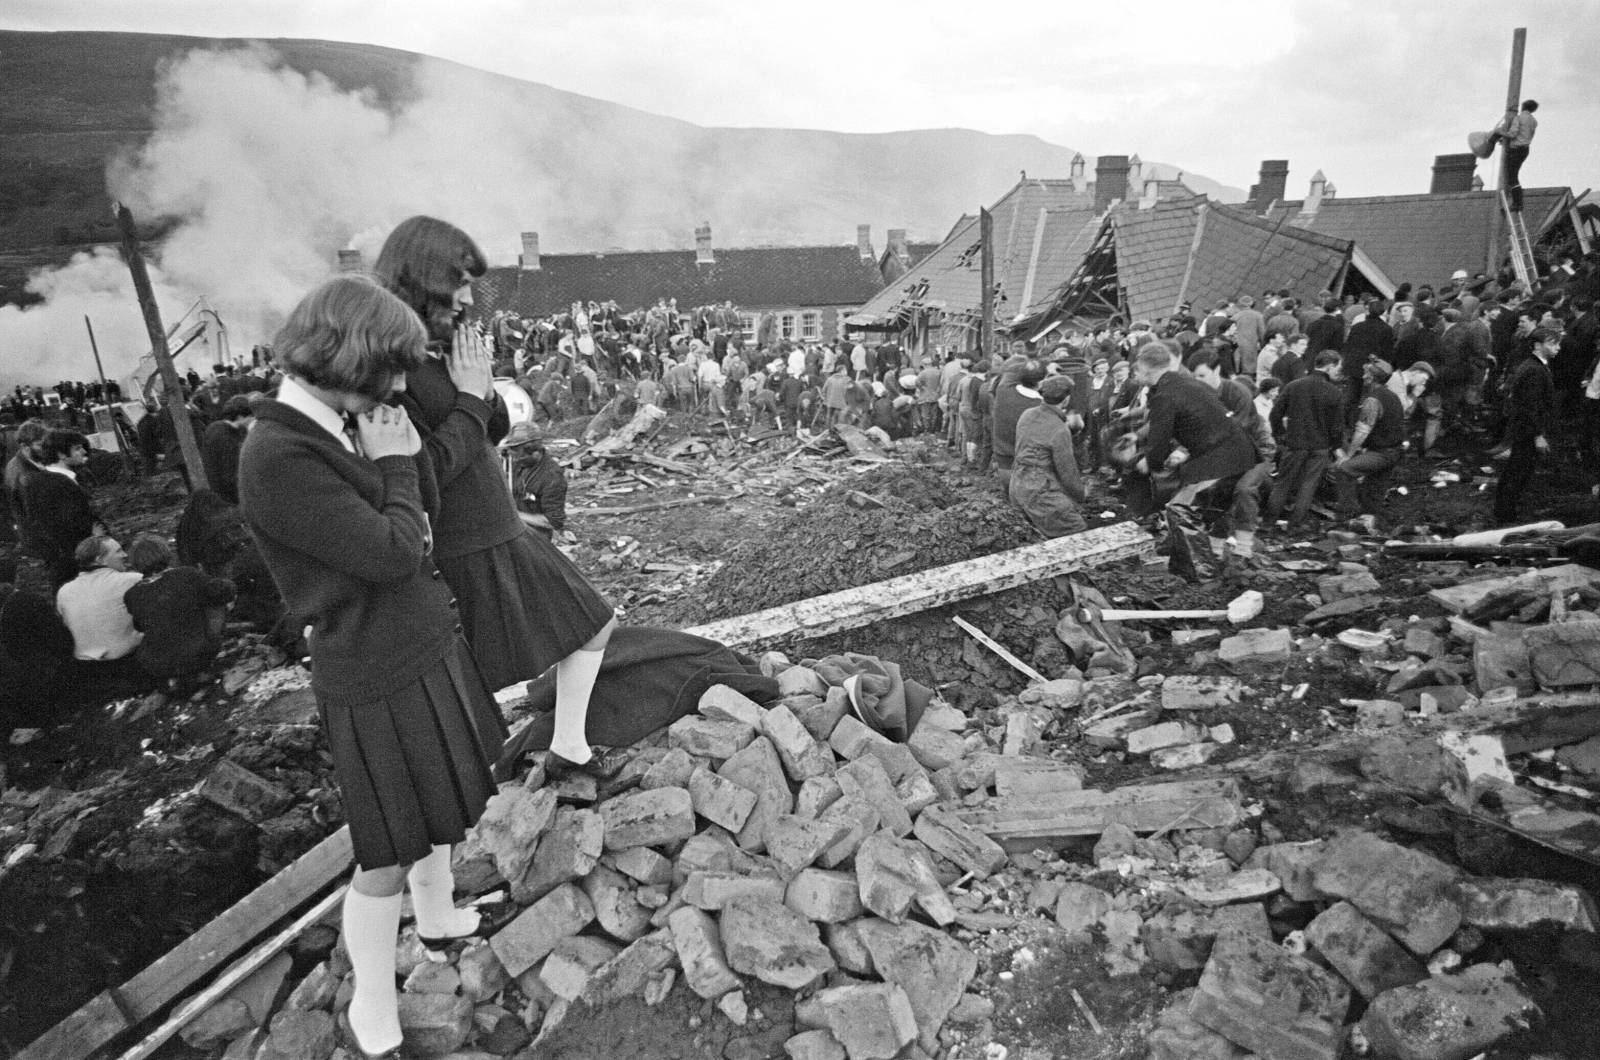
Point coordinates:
[(128, 862)]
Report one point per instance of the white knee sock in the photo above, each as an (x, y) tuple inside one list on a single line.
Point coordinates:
[(371, 932), (433, 898), (575, 677)]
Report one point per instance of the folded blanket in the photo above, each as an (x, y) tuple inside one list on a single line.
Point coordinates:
[(880, 696)]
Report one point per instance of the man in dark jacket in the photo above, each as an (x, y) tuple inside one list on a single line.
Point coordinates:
[(1463, 357), (1370, 338), (220, 445), (1326, 332), (538, 485), (55, 508), (1308, 418), (1017, 392), (1530, 422), (1362, 474), (1184, 412)]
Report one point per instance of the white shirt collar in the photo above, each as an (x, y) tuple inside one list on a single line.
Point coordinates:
[(58, 469), (297, 397)]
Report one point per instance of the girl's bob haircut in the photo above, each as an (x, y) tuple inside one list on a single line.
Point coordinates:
[(426, 260), (351, 335)]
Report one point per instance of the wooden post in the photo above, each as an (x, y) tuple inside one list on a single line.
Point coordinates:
[(105, 393), (1519, 41), (171, 385), (986, 280)]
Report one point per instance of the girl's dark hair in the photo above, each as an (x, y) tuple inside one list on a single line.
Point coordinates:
[(425, 260), (149, 554), (58, 443), (350, 334)]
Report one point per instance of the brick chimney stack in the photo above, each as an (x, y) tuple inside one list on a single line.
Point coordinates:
[(1452, 173), (1271, 185), (702, 245), (1110, 180), (864, 242), (898, 246), (350, 261), (530, 251)]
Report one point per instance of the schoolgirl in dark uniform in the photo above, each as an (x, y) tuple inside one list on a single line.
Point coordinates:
[(332, 485)]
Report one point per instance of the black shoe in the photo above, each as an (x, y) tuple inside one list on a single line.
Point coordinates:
[(492, 916), (347, 1038), (600, 766)]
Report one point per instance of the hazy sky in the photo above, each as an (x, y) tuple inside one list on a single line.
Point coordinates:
[(1368, 92)]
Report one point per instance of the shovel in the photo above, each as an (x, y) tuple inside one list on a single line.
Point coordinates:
[(1240, 610)]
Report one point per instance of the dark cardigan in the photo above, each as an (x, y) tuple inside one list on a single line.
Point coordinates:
[(345, 539), (459, 432)]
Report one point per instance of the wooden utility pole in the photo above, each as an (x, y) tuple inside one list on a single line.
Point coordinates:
[(105, 394), (1519, 41), (986, 279), (172, 386)]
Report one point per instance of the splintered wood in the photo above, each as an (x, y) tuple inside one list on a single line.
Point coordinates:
[(925, 590), (1025, 822)]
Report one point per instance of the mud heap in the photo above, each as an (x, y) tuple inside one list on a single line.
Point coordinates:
[(895, 519)]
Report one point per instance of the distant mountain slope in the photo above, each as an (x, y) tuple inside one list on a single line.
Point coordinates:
[(586, 173)]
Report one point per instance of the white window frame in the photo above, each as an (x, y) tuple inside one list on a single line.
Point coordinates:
[(811, 325), (750, 325), (787, 326)]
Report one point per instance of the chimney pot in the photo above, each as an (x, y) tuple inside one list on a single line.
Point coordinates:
[(1273, 183), (703, 254), (350, 261), (1110, 180), (864, 242), (897, 244), (530, 251)]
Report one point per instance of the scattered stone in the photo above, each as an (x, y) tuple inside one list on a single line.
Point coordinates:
[(1271, 1002), (529, 938), (631, 972), (1184, 638), (709, 738), (1178, 1036), (720, 801), (1064, 693), (616, 904), (1192, 692), (1450, 1017), (573, 962), (1022, 734), (642, 864), (647, 818), (873, 1021), (798, 750), (482, 974), (734, 1006), (1380, 713), (930, 966), (848, 947), (1257, 646), (801, 679), (1344, 586), (1036, 776), (1521, 905), (316, 990), (859, 816), (1124, 953), (934, 747), (1079, 906), (431, 977), (672, 770), (821, 717), (1415, 765), (1181, 940), (795, 842), (824, 896), (772, 942), (296, 1034), (816, 795), (1186, 757), (851, 738), (1293, 864), (699, 946), (817, 1044), (510, 828), (714, 890), (721, 703), (956, 841), (568, 850), (893, 874), (1359, 950), (1246, 885), (1406, 892), (865, 779), (758, 768), (218, 1025), (1166, 734)]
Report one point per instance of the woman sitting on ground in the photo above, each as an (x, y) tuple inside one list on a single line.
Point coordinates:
[(1045, 482), (179, 610), (104, 639)]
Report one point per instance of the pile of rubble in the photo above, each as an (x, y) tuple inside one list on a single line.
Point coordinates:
[(795, 846)]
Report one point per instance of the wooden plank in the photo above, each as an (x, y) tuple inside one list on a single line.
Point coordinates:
[(1023, 822), (924, 590), (1567, 576), (197, 956)]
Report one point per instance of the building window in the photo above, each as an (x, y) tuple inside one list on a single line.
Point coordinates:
[(786, 325), (810, 325), (749, 324)]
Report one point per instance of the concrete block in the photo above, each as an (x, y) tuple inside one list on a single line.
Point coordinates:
[(897, 761), (571, 964), (1292, 863), (772, 942), (892, 874), (817, 1044), (948, 836), (866, 779), (873, 1021), (703, 852), (1064, 693), (699, 945), (1178, 1037), (567, 851), (932, 968), (631, 971), (1406, 892), (859, 816), (934, 747), (848, 946), (529, 938), (758, 768), (1079, 906), (797, 679), (482, 974), (720, 801), (1021, 735), (642, 864), (1451, 1017), (1166, 734), (1257, 646), (942, 715), (433, 978), (1187, 756), (647, 818), (1270, 1001), (851, 738), (816, 795), (916, 792), (1036, 776), (616, 904), (1522, 905), (713, 890), (1380, 713), (798, 750), (237, 790), (1246, 885), (1359, 950), (824, 896), (510, 827), (1346, 586), (673, 770), (721, 703), (295, 1034), (1181, 940), (821, 717), (709, 738), (796, 842), (433, 1024)]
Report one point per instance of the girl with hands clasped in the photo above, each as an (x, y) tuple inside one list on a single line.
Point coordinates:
[(337, 491)]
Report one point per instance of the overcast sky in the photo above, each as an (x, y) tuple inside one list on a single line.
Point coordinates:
[(1367, 92)]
